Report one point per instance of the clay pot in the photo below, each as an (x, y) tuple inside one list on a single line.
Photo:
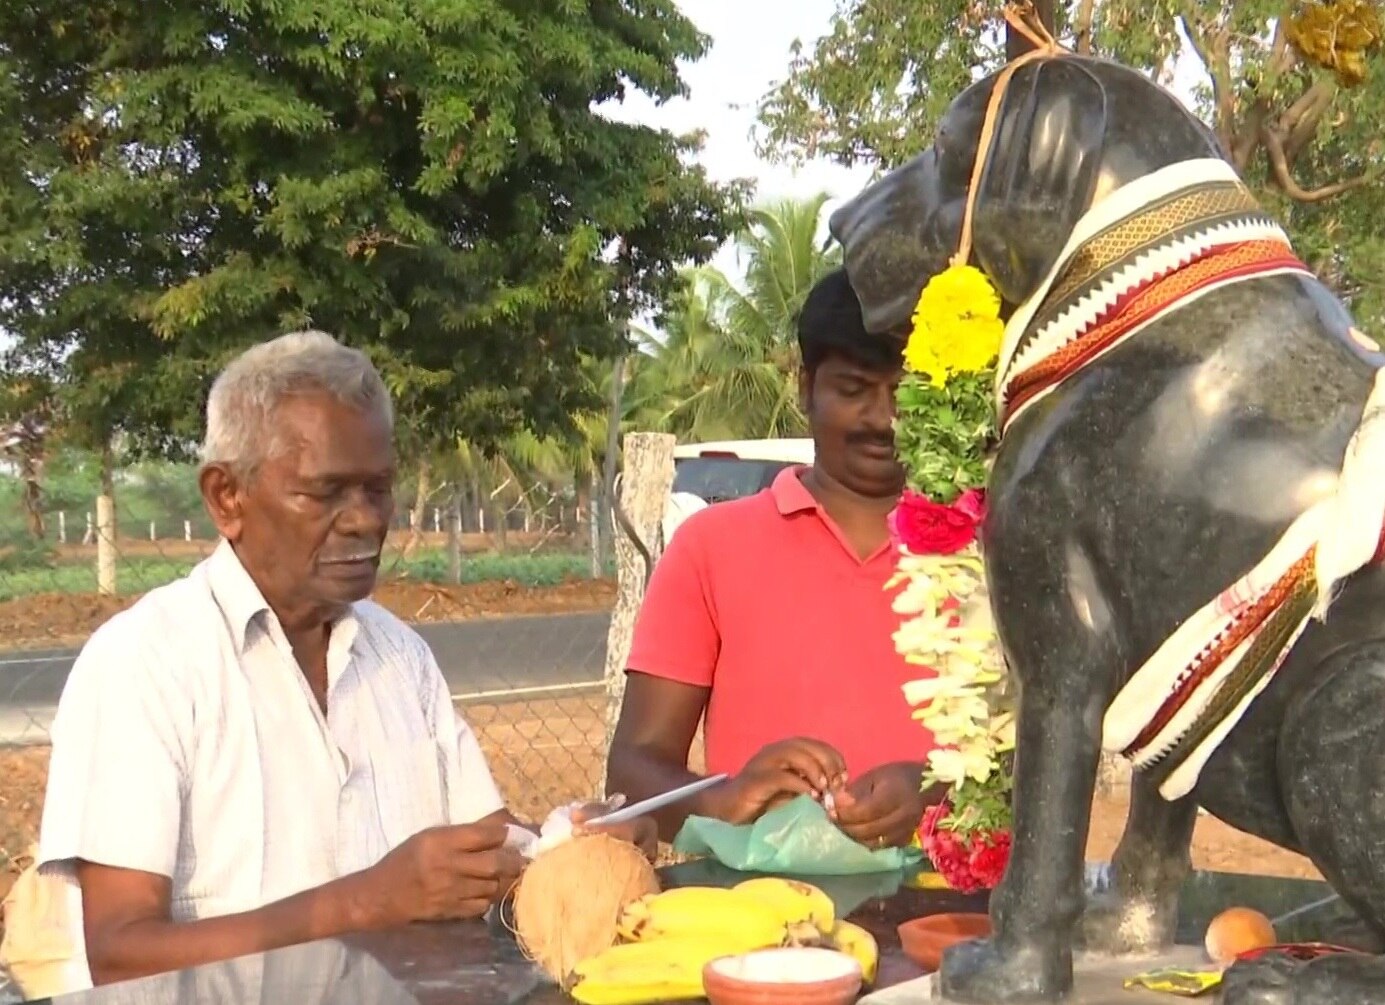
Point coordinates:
[(925, 939), (790, 976)]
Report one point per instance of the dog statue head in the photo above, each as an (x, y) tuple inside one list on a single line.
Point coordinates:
[(1069, 130)]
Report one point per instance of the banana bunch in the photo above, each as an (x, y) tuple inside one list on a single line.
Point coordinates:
[(667, 938), (859, 944), (703, 910), (636, 973)]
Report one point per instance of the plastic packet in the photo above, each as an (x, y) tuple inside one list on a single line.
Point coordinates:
[(797, 837), (1184, 983)]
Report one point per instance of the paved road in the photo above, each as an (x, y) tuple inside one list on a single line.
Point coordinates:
[(534, 654)]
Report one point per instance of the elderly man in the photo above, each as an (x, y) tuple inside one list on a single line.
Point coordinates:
[(255, 756)]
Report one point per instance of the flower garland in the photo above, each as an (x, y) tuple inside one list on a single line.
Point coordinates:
[(945, 417)]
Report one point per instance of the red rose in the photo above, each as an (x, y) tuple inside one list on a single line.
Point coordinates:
[(976, 862), (989, 857), (928, 826), (929, 528), (972, 502)]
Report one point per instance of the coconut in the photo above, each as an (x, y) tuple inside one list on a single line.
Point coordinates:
[(570, 897)]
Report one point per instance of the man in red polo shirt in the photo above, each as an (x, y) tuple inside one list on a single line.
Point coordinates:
[(770, 615)]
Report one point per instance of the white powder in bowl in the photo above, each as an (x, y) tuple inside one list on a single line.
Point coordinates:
[(793, 965)]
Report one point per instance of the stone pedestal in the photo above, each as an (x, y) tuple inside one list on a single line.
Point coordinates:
[(1097, 980)]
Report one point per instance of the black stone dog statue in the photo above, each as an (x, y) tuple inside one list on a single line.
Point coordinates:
[(1123, 500)]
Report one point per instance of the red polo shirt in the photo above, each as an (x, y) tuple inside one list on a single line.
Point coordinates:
[(763, 600)]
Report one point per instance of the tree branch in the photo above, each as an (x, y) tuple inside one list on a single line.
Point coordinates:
[(1283, 177), (1281, 56), (1216, 60), (1082, 26), (1300, 121), (1248, 136)]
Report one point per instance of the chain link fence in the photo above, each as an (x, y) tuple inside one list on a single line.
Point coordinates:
[(506, 585)]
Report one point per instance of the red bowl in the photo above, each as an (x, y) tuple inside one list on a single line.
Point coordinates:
[(789, 976), (925, 939)]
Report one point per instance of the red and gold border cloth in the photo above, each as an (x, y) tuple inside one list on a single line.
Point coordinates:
[(1151, 248)]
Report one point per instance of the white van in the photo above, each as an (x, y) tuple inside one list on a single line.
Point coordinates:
[(708, 473)]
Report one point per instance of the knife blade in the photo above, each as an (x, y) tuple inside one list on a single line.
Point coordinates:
[(653, 803)]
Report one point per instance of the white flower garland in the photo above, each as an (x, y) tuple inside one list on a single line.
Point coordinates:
[(967, 705)]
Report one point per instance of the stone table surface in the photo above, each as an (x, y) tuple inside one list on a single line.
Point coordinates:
[(478, 963)]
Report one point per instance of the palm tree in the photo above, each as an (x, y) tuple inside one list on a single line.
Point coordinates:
[(726, 364)]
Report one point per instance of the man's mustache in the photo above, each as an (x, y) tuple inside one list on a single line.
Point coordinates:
[(363, 551), (871, 439)]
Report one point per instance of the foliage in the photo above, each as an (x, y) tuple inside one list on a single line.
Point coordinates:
[(873, 89), (21, 550), (942, 433), (434, 181), (727, 364), (160, 492), (29, 567), (542, 569), (25, 421)]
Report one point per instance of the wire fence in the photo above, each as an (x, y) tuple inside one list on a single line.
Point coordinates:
[(516, 613)]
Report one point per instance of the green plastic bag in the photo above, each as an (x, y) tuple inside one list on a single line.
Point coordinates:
[(797, 837)]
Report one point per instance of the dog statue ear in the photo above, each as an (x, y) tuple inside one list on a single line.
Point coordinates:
[(1042, 175)]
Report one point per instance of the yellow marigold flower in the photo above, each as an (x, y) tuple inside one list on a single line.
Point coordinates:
[(920, 358), (957, 326)]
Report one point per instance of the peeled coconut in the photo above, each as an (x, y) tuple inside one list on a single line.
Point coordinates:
[(1238, 930), (569, 898)]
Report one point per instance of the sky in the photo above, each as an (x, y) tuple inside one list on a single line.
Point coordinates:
[(749, 55)]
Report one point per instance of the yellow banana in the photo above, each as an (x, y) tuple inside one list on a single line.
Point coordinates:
[(636, 973), (703, 910), (860, 945), (796, 901)]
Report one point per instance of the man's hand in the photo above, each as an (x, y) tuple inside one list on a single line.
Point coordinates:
[(642, 832), (439, 874), (779, 771), (882, 808)]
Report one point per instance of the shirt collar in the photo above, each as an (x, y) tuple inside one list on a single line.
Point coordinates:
[(792, 497), (790, 494), (234, 591), (241, 601)]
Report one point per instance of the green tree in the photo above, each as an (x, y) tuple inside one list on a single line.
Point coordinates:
[(1287, 87), (25, 428), (431, 179), (726, 364)]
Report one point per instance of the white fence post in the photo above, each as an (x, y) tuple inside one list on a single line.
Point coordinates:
[(646, 480), (105, 545)]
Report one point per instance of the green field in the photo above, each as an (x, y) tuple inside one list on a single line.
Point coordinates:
[(138, 573)]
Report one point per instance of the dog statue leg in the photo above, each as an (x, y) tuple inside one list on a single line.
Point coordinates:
[(1331, 755), (1139, 913), (1037, 904)]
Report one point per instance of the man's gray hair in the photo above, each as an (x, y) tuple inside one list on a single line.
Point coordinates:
[(240, 409)]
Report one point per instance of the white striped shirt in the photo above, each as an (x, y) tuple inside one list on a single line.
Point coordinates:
[(187, 743)]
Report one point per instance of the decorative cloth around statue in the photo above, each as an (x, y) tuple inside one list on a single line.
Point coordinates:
[(1151, 248)]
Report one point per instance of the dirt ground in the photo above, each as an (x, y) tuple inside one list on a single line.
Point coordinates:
[(45, 620), (547, 753)]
